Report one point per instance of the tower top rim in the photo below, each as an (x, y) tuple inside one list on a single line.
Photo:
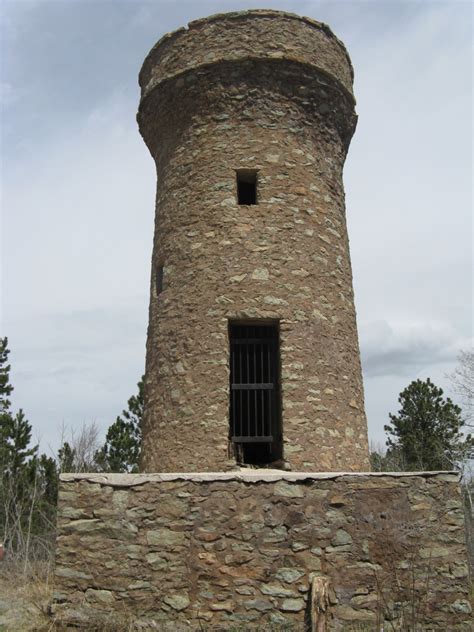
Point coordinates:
[(166, 58)]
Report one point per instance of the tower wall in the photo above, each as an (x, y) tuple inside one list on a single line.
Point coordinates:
[(270, 92)]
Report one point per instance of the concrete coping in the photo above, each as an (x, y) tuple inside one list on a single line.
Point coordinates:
[(244, 476)]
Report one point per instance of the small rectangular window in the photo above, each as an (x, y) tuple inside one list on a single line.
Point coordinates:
[(247, 186), (159, 280)]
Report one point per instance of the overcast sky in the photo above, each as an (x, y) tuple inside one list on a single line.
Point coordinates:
[(78, 190)]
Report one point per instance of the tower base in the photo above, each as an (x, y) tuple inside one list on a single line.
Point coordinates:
[(262, 548)]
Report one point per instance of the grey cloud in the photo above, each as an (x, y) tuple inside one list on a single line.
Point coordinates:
[(403, 350)]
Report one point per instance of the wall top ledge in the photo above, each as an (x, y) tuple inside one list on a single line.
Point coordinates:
[(245, 476)]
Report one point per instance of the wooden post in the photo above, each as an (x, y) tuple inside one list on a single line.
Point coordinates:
[(319, 603)]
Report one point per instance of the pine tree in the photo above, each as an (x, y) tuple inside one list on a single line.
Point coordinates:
[(5, 387), (15, 431), (28, 482), (16, 459), (15, 439), (49, 479), (426, 433), (66, 458), (121, 450)]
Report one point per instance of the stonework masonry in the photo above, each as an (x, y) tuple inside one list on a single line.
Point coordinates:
[(268, 92), (239, 551)]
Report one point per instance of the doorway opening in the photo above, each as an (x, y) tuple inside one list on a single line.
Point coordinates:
[(255, 403)]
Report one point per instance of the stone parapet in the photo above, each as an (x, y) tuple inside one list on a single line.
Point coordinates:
[(238, 36), (216, 551)]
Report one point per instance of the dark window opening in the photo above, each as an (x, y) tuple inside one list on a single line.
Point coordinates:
[(255, 413), (247, 186), (159, 280)]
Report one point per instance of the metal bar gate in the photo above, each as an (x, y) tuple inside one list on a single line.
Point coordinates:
[(253, 383)]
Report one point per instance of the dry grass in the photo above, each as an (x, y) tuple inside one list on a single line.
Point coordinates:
[(25, 598)]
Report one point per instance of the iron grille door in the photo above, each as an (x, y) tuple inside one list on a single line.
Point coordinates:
[(254, 383)]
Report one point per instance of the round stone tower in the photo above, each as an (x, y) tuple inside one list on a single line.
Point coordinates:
[(252, 351)]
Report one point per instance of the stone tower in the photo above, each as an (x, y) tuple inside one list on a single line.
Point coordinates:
[(252, 351)]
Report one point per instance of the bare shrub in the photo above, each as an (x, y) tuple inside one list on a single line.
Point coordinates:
[(462, 380), (78, 453)]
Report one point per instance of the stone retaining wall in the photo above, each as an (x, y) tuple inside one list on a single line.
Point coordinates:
[(239, 550)]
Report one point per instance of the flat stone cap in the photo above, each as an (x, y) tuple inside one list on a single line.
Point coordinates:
[(247, 476), (247, 35)]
